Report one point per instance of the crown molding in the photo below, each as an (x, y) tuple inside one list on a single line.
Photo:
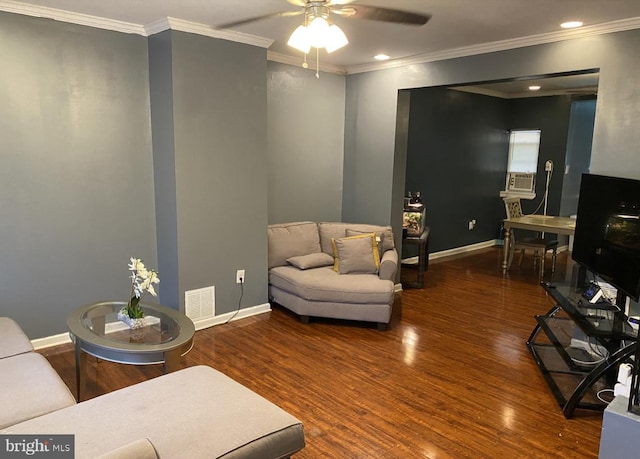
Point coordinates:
[(10, 6), (502, 45), (297, 61), (154, 27), (202, 29)]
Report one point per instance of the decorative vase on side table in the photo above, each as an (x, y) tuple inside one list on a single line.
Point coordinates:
[(142, 280)]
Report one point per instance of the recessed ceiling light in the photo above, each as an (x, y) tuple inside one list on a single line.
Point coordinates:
[(381, 57), (534, 88), (571, 24)]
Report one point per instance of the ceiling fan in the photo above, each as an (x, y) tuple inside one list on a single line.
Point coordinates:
[(343, 8), (316, 31)]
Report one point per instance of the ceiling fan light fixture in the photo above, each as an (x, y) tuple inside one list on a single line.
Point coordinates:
[(300, 39), (335, 39), (318, 31)]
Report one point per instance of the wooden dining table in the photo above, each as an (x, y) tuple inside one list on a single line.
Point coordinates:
[(539, 223)]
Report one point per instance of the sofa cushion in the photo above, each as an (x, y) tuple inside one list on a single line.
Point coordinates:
[(290, 240), (384, 232), (13, 341), (324, 284), (312, 260), (329, 230), (356, 254), (378, 234), (30, 388)]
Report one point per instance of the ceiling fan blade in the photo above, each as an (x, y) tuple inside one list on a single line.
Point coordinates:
[(230, 25), (376, 13), (326, 2)]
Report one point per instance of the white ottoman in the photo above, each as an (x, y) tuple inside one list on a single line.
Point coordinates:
[(193, 413)]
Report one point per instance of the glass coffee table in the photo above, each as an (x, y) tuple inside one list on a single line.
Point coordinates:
[(96, 330)]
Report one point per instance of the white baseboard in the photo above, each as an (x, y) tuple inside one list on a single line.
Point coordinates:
[(454, 251), (467, 249), (223, 318), (464, 249), (64, 338), (471, 248), (49, 341)]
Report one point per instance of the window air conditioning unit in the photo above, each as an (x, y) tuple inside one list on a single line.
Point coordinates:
[(521, 183)]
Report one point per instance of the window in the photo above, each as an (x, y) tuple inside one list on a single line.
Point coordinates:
[(523, 151)]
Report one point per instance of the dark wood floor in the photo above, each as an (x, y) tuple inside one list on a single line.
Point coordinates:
[(451, 378)]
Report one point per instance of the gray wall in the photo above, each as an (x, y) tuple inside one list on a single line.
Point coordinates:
[(370, 181), (77, 189), (76, 182), (369, 144), (161, 95), (305, 144), (219, 111)]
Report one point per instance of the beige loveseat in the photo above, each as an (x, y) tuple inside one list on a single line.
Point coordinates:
[(333, 269), (196, 412)]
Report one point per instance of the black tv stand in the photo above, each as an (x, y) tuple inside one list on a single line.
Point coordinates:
[(580, 348)]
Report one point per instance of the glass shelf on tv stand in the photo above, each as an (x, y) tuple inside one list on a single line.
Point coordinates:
[(578, 347)]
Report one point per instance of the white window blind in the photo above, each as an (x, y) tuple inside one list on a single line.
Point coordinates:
[(523, 151)]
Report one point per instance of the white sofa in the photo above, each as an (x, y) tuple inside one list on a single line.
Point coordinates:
[(192, 413), (326, 270)]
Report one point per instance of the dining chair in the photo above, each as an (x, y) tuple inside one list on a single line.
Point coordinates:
[(537, 244)]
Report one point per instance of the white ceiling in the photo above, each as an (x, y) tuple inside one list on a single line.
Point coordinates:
[(467, 24)]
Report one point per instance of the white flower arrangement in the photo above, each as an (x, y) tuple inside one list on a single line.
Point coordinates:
[(142, 280)]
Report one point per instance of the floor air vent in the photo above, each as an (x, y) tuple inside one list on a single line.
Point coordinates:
[(200, 304)]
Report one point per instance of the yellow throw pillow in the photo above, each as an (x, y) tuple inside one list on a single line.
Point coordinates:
[(356, 254)]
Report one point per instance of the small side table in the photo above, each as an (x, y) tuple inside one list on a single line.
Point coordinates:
[(95, 330), (422, 242)]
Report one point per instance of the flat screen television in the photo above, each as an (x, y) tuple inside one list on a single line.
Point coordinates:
[(607, 236)]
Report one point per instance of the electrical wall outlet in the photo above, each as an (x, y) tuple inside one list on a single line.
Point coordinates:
[(240, 276), (548, 166), (472, 224)]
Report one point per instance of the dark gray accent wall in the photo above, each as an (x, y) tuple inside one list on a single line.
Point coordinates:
[(76, 182), (457, 156), (372, 101), (578, 158), (305, 144), (459, 142), (551, 115), (219, 114)]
